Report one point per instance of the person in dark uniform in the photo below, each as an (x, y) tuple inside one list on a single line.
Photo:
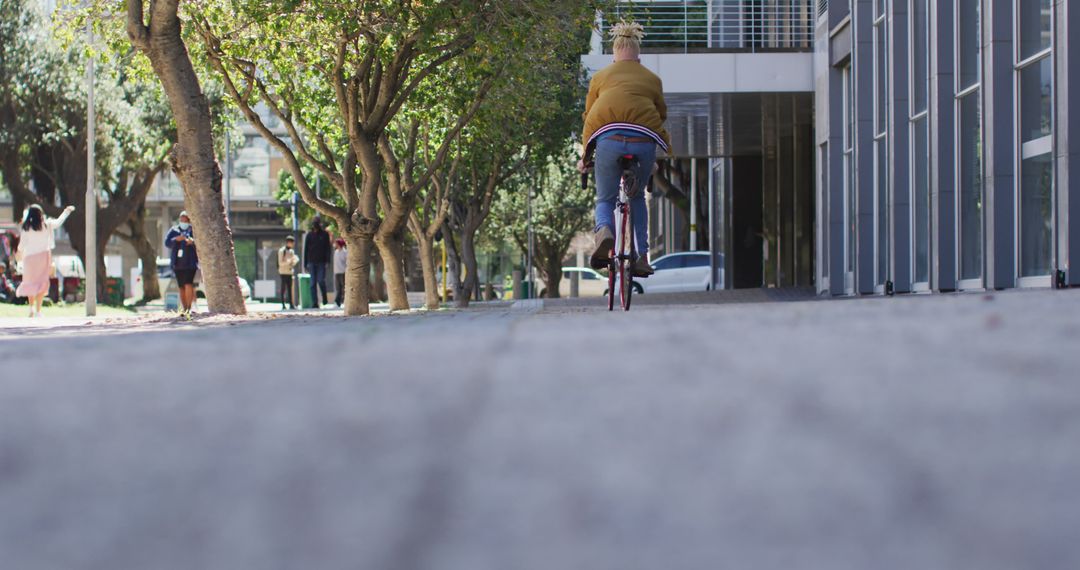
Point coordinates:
[(317, 253), (184, 261)]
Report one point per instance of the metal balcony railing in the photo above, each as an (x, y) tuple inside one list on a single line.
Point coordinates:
[(717, 25)]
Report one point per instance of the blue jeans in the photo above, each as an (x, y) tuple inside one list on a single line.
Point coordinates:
[(318, 279), (608, 175)]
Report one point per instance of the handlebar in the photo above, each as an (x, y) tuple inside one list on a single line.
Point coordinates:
[(585, 176)]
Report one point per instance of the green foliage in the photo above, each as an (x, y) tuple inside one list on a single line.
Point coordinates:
[(560, 207), (286, 187)]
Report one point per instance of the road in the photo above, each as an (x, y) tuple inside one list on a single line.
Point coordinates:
[(928, 432)]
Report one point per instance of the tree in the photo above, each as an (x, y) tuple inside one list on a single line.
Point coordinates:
[(542, 100), (44, 142), (426, 222), (345, 81), (338, 76), (193, 158), (561, 209), (139, 239)]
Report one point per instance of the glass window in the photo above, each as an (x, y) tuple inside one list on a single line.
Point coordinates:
[(881, 78), (823, 224), (697, 261), (1035, 26), (849, 165), (589, 276), (920, 58), (247, 258), (251, 169), (968, 34), (673, 262), (970, 179), (881, 164), (1036, 101), (1036, 207), (920, 185)]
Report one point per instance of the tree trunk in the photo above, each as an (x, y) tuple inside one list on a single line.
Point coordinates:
[(391, 250), (427, 265), (76, 230), (151, 285), (378, 280), (358, 275), (193, 156), (453, 261), (147, 253), (553, 275), (471, 282)]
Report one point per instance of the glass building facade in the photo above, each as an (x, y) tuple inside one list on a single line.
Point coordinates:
[(943, 133)]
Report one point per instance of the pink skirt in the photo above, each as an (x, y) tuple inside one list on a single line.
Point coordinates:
[(36, 272)]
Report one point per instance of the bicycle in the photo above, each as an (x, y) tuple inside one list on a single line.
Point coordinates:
[(623, 254)]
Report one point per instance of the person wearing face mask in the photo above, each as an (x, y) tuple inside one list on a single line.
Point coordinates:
[(184, 261)]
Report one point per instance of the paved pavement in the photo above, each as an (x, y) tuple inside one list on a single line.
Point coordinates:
[(934, 432)]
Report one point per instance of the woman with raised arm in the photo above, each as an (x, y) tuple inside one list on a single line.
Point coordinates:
[(624, 114), (35, 249)]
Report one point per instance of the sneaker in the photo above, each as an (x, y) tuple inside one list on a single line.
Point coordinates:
[(604, 240), (642, 267)]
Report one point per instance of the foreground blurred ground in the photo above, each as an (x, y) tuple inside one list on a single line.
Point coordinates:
[(741, 430)]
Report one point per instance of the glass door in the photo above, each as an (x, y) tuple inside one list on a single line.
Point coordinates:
[(849, 182), (919, 123), (881, 156), (969, 149), (1034, 124)]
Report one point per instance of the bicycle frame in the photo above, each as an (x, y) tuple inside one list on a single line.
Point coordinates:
[(624, 253)]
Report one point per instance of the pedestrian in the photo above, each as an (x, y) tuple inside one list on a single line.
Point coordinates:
[(286, 261), (625, 114), (7, 291), (317, 254), (184, 261), (341, 262), (35, 250)]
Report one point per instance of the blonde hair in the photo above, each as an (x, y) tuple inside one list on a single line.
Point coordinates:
[(627, 35)]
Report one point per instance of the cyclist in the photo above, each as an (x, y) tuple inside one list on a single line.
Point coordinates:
[(624, 114)]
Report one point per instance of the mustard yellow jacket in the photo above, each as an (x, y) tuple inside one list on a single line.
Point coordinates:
[(625, 95)]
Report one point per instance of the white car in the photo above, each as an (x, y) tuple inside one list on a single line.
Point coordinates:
[(166, 278), (590, 283), (679, 272)]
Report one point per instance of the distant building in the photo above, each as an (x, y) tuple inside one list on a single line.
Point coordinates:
[(739, 82), (881, 145), (249, 189)]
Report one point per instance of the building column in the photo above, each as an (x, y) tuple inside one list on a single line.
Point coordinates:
[(1067, 159), (999, 143), (942, 148)]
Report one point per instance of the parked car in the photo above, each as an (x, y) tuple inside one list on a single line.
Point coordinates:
[(590, 283), (166, 276), (679, 272)]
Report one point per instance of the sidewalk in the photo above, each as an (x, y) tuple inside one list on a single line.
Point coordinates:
[(933, 432)]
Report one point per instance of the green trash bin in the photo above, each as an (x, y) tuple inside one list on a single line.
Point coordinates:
[(303, 281), (114, 291), (526, 290)]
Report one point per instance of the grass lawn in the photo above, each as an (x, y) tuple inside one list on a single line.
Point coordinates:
[(68, 310)]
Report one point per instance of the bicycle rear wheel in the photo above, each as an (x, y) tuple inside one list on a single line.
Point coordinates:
[(626, 260), (611, 282)]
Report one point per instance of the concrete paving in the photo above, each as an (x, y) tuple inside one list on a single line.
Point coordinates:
[(932, 432)]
